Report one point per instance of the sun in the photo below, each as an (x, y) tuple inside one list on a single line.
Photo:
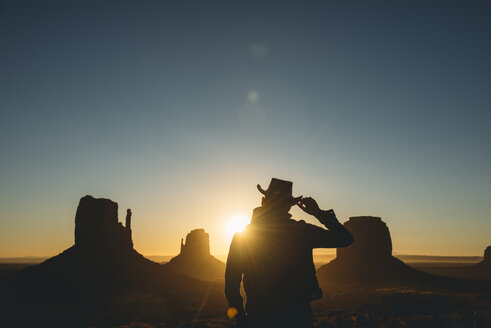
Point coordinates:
[(236, 223)]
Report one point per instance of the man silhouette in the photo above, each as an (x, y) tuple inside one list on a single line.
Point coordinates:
[(273, 260)]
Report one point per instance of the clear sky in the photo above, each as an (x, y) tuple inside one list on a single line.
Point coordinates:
[(177, 109)]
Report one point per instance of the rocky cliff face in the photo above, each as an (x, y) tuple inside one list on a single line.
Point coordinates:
[(369, 259), (97, 226), (195, 259)]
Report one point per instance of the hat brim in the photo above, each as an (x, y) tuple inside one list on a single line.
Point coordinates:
[(293, 200), (261, 190)]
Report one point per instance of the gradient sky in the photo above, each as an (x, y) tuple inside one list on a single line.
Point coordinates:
[(177, 109)]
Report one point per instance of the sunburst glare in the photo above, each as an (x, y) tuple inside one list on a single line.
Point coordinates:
[(235, 224)]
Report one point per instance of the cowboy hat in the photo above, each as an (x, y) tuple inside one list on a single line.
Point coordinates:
[(280, 188)]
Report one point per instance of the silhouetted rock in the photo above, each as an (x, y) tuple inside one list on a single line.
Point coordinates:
[(369, 259), (103, 251), (97, 226), (485, 264), (481, 270), (102, 266), (487, 255), (369, 262), (372, 244), (197, 244), (195, 259)]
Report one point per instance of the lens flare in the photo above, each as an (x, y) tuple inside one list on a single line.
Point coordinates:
[(232, 312)]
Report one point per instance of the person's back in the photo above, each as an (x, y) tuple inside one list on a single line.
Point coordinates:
[(274, 255), (278, 266)]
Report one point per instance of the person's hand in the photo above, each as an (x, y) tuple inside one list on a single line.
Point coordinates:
[(309, 205)]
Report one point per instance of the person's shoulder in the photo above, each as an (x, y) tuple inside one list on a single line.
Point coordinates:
[(245, 233), (257, 214), (237, 239), (258, 210)]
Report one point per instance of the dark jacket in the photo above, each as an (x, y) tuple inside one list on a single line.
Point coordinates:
[(273, 257)]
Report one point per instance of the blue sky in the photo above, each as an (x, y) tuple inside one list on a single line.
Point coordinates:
[(177, 109)]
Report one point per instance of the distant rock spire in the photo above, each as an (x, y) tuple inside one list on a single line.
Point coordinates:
[(195, 259), (197, 244), (128, 219)]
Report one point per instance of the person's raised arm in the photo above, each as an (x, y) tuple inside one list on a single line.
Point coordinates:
[(336, 236)]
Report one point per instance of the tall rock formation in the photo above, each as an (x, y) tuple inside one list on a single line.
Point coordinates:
[(102, 261), (369, 259), (195, 259), (372, 241), (97, 226), (100, 274), (197, 244)]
